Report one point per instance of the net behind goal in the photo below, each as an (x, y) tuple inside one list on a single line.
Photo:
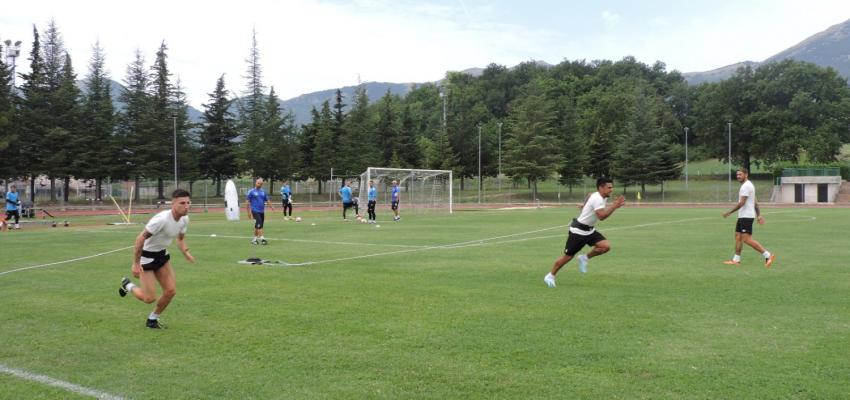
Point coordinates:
[(421, 189)]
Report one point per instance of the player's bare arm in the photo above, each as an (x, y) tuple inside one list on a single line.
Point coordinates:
[(137, 251), (606, 212), (759, 217), (184, 248), (741, 201)]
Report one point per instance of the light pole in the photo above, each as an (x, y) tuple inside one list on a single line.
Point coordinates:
[(686, 158), (499, 124), (729, 158), (12, 52), (174, 117), (479, 163)]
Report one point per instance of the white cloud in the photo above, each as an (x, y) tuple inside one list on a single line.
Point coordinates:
[(610, 19)]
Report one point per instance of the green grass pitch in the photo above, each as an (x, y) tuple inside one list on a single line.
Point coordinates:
[(439, 306)]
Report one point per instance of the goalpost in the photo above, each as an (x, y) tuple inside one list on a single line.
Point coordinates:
[(429, 189)]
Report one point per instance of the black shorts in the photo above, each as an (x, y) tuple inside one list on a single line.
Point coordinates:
[(12, 213), (576, 242), (346, 206), (259, 219), (395, 205), (744, 225), (156, 259)]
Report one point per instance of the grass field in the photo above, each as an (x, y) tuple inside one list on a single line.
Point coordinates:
[(438, 306)]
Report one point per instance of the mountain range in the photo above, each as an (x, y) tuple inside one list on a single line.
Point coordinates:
[(830, 48)]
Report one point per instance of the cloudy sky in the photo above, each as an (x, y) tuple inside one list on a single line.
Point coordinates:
[(311, 45)]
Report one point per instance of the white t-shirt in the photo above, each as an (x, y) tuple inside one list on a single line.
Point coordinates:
[(749, 208), (588, 213), (164, 229)]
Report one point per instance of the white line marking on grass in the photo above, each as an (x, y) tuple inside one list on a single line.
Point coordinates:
[(71, 387), (66, 261), (318, 241)]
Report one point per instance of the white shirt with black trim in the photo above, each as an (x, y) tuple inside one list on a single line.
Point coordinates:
[(749, 208), (164, 229), (588, 213)]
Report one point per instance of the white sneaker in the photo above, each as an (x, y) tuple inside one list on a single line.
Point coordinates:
[(549, 279), (254, 241), (582, 263)]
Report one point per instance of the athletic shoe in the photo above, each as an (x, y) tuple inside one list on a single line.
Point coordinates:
[(264, 242), (254, 241), (154, 324), (122, 291), (732, 262), (549, 279), (582, 263), (769, 261)]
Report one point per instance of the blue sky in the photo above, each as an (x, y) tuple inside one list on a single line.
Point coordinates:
[(311, 45)]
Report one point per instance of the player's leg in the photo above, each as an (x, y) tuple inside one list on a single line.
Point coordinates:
[(146, 291), (165, 277), (769, 258), (601, 247), (573, 245)]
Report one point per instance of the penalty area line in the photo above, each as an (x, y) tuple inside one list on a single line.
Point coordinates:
[(68, 386)]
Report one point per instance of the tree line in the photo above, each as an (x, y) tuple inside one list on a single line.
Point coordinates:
[(623, 119)]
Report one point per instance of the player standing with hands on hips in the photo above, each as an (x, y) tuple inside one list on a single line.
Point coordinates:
[(583, 229), (151, 261)]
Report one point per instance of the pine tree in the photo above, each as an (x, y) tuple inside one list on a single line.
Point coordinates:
[(34, 116), (324, 150), (386, 129), (7, 113), (96, 146), (218, 146), (358, 145), (187, 140), (407, 149), (66, 108), (134, 122), (160, 159), (307, 145)]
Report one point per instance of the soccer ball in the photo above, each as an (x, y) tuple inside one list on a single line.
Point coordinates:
[(297, 219)]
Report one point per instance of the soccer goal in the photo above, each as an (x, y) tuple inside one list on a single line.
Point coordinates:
[(421, 189)]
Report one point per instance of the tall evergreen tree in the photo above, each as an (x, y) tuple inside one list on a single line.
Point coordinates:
[(34, 116), (160, 161), (218, 146), (68, 112), (324, 148), (187, 140), (532, 141), (387, 127), (407, 149), (96, 146), (7, 120), (134, 122), (358, 145)]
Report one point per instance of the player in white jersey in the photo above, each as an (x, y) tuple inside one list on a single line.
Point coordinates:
[(151, 259), (583, 229), (748, 210)]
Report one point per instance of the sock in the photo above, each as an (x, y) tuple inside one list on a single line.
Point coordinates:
[(766, 254), (153, 315), (130, 287), (736, 258), (263, 237), (549, 275)]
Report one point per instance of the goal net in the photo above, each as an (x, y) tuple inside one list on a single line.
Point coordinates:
[(421, 189)]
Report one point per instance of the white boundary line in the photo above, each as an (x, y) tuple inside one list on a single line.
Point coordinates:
[(316, 241), (66, 261), (71, 387)]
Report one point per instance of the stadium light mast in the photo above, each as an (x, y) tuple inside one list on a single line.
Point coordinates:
[(174, 118), (12, 52), (479, 163), (729, 157), (686, 158), (499, 124)]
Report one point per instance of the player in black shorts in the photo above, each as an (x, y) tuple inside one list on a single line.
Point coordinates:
[(583, 229), (151, 261)]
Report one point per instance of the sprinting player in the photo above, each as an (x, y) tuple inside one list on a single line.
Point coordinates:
[(395, 199), (151, 261), (286, 198), (347, 200), (13, 201), (583, 229), (748, 209), (256, 205), (373, 200)]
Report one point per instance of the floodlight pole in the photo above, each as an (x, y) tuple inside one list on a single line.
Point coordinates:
[(174, 118), (12, 53), (729, 158), (479, 163), (499, 124), (686, 158)]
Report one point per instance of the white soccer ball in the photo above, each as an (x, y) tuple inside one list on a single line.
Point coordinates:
[(297, 219), (213, 235), (377, 226)]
